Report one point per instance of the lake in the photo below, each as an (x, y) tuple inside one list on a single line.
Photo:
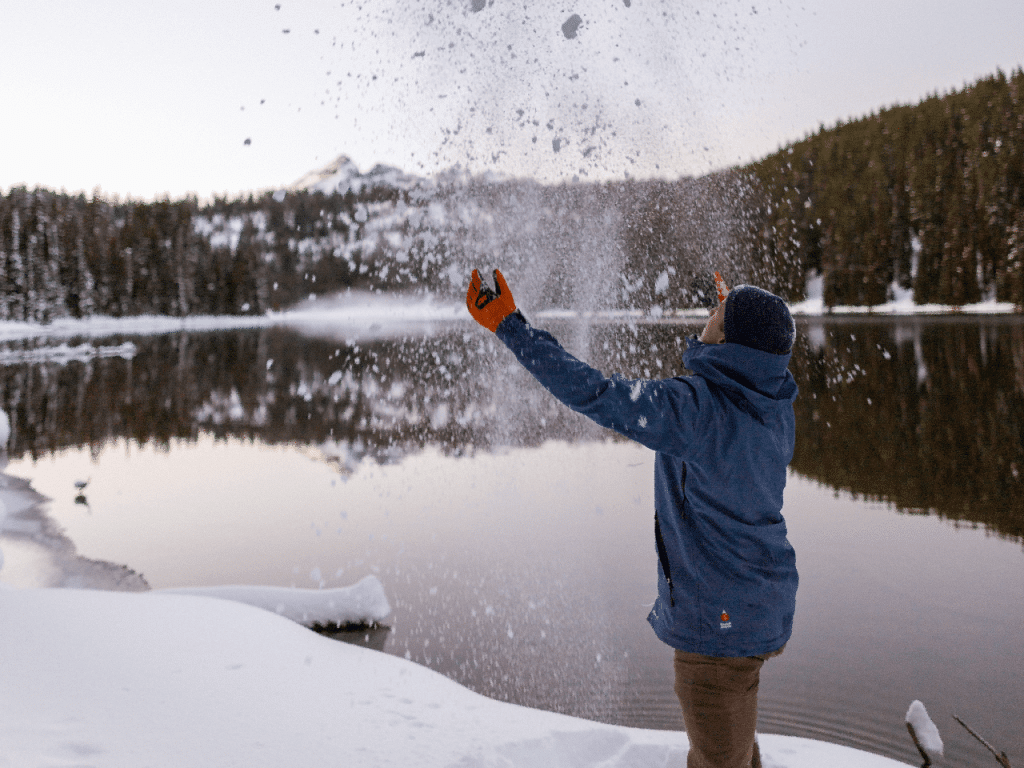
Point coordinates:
[(515, 540)]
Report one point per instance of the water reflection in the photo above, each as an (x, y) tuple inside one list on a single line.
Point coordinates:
[(926, 413)]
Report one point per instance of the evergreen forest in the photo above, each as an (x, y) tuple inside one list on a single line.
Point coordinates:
[(926, 198)]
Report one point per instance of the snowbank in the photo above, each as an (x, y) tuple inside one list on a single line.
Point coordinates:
[(900, 303), (362, 603), (362, 312), (356, 309), (100, 326), (125, 679), (814, 307)]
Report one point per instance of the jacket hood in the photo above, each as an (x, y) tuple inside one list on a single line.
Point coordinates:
[(762, 378)]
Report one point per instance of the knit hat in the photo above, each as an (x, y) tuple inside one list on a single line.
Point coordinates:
[(759, 319)]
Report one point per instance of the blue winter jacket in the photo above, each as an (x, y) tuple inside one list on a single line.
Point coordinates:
[(726, 572)]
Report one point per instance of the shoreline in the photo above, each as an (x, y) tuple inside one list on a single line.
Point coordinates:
[(372, 314)]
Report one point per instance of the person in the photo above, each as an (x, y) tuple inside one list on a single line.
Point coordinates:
[(723, 438)]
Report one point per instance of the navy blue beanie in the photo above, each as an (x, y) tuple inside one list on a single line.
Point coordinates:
[(759, 319)]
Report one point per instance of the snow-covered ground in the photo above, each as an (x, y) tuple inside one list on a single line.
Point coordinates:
[(95, 678), (119, 679), (369, 312), (350, 311), (902, 305)]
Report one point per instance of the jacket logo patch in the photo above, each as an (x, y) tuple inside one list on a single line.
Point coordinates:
[(725, 622)]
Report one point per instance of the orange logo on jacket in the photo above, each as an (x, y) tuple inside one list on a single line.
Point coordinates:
[(726, 623)]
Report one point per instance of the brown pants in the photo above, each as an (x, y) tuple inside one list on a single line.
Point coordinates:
[(719, 700)]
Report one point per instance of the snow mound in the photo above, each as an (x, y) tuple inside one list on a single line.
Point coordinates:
[(362, 603), (924, 730)]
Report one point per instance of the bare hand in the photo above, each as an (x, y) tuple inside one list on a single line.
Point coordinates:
[(714, 331)]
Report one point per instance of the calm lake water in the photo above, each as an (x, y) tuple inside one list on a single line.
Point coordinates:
[(515, 539)]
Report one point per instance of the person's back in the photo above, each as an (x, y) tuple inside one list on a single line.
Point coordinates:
[(727, 584)]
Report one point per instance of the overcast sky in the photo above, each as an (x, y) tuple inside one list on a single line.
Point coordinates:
[(223, 96)]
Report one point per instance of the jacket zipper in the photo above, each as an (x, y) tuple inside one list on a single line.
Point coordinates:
[(663, 557), (659, 541)]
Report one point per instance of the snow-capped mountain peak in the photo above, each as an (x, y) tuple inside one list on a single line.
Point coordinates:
[(342, 175), (338, 173)]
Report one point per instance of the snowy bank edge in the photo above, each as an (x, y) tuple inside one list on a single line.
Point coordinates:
[(185, 679), (363, 603), (422, 314)]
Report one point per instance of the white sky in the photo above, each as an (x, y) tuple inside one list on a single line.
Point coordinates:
[(144, 99)]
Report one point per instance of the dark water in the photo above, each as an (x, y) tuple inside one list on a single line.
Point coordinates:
[(514, 539)]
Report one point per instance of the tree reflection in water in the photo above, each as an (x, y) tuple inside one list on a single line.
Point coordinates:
[(926, 413)]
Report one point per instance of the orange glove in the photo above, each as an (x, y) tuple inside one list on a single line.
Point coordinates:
[(489, 307), (723, 289)]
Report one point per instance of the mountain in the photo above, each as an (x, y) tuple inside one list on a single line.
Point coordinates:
[(341, 176)]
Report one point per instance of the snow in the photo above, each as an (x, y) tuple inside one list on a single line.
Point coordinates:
[(365, 311), (342, 175), (120, 679), (361, 603), (902, 306), (636, 390), (98, 326), (356, 310), (661, 284), (901, 303), (224, 676), (925, 731)]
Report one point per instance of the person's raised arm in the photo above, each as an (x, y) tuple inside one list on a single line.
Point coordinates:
[(658, 414)]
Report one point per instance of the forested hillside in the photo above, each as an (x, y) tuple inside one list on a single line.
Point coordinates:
[(579, 245), (928, 197), (64, 255)]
